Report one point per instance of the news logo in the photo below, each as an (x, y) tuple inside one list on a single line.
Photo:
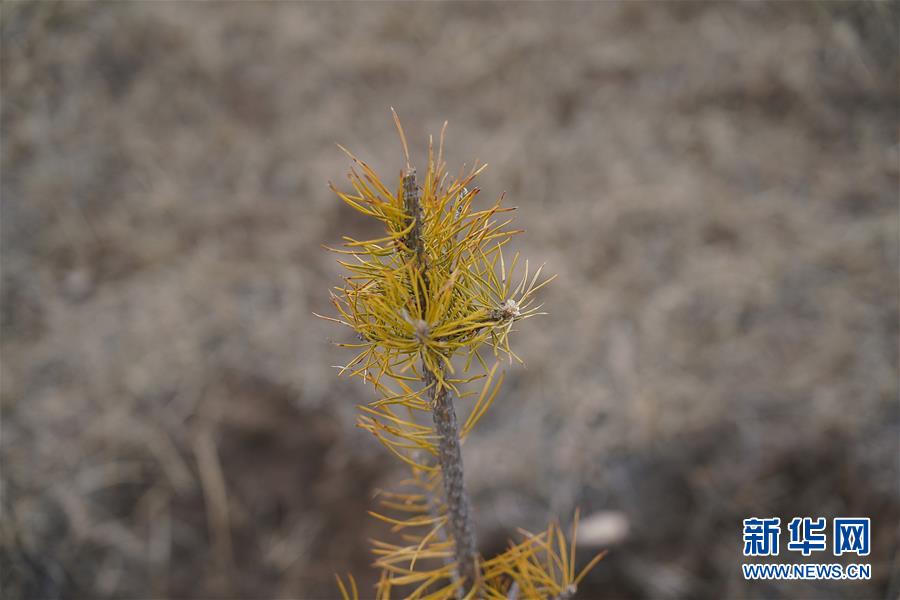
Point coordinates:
[(761, 536), (806, 536), (852, 536)]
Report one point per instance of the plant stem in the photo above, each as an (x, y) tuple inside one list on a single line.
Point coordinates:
[(459, 517), (456, 500)]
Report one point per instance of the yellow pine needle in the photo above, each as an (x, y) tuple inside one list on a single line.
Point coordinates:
[(353, 592), (402, 137), (444, 593), (587, 568), (415, 465), (573, 544), (390, 560), (425, 540), (385, 413), (484, 401), (413, 522), (404, 507), (563, 554), (400, 576), (417, 593)]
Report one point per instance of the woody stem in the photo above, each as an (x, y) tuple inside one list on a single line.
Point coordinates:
[(446, 425), (459, 517)]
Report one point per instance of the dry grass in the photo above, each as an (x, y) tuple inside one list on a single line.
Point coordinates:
[(715, 184)]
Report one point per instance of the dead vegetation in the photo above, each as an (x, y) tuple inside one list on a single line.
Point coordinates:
[(716, 186)]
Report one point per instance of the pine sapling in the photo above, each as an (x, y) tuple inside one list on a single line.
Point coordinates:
[(432, 304)]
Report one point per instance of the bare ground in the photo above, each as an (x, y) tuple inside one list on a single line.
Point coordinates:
[(715, 184)]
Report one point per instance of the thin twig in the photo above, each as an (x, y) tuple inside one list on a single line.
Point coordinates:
[(215, 495)]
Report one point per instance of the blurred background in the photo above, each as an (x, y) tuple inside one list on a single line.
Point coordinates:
[(715, 184)]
